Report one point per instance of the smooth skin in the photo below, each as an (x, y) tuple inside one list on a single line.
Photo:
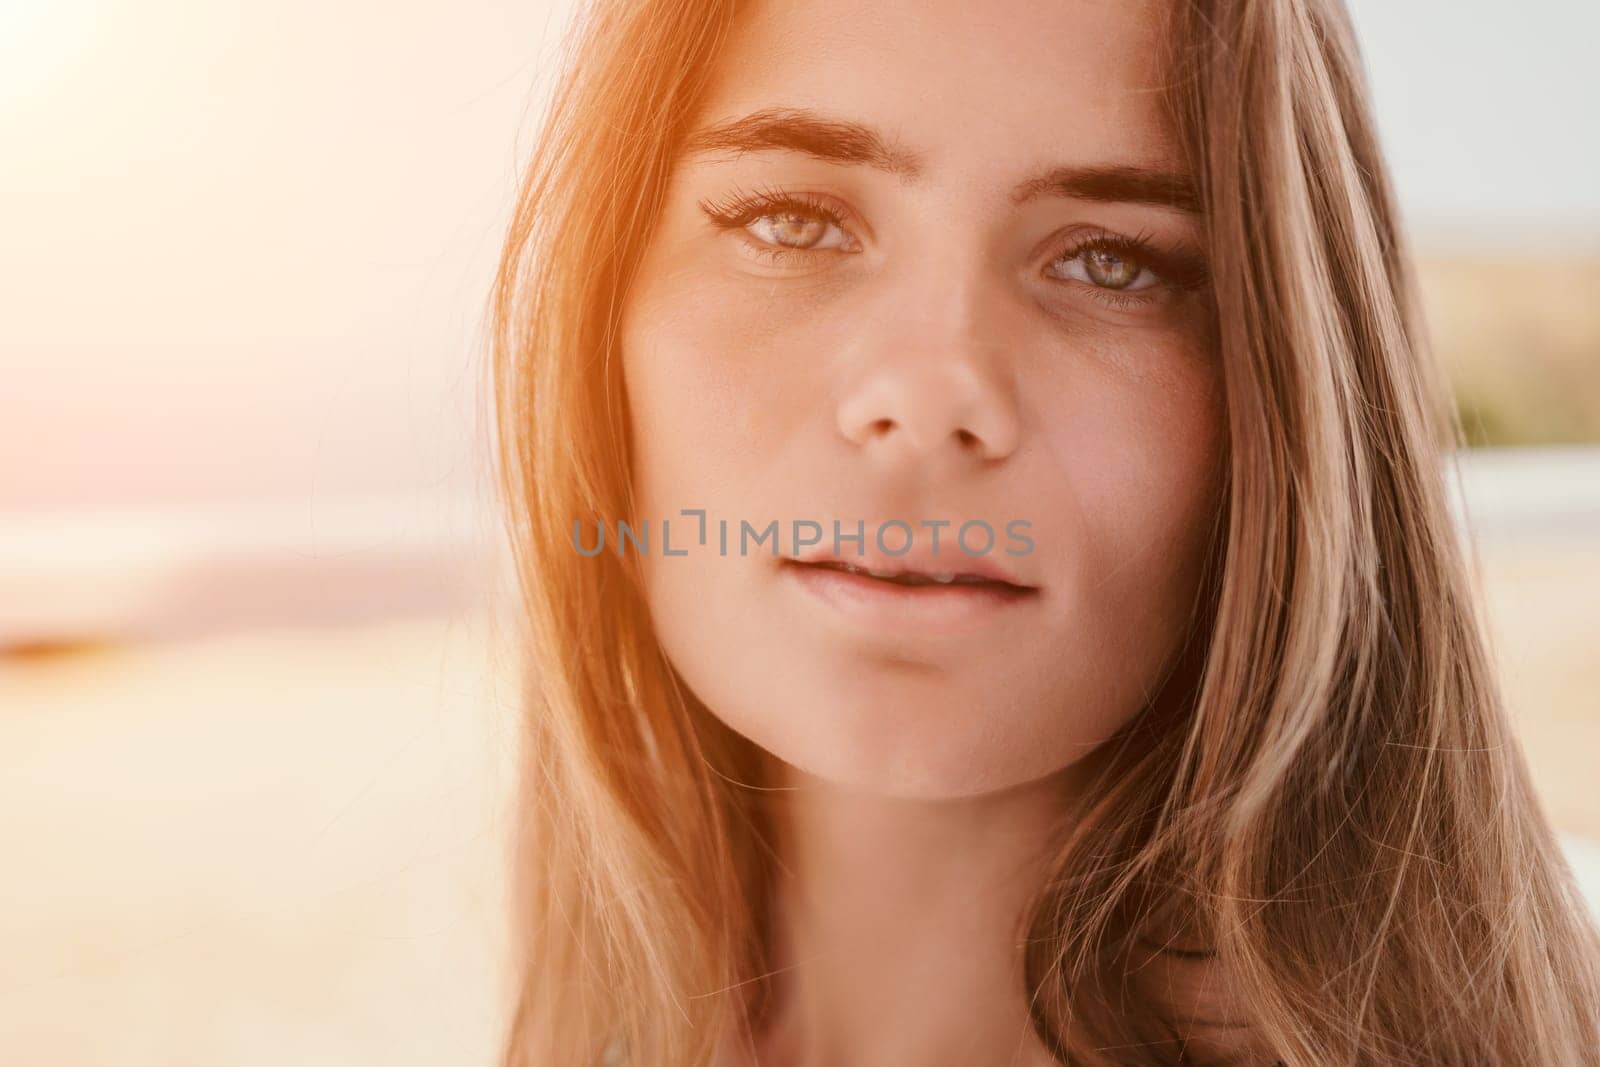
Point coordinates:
[(927, 335)]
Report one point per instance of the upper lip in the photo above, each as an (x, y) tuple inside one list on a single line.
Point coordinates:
[(920, 559)]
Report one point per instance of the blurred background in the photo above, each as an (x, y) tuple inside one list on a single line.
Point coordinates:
[(256, 695)]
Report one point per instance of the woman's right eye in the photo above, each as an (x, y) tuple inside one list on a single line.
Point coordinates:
[(794, 229), (784, 223)]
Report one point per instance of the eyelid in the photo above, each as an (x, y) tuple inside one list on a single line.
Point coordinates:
[(1176, 273), (739, 209), (1175, 270)]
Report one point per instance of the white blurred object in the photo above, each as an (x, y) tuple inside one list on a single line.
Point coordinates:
[(89, 576), (1584, 856), (1528, 493)]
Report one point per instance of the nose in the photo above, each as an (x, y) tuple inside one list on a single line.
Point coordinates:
[(931, 394)]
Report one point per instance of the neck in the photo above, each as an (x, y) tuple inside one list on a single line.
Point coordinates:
[(897, 925)]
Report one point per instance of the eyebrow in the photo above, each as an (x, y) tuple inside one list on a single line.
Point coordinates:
[(837, 140)]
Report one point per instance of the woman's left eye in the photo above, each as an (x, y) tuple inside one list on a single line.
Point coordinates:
[(1107, 267)]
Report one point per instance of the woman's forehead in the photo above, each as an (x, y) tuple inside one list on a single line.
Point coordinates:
[(948, 82)]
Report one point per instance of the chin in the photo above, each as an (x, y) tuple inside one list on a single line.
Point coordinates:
[(924, 738)]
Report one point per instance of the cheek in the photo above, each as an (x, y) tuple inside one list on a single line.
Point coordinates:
[(715, 388), (714, 403), (1139, 440)]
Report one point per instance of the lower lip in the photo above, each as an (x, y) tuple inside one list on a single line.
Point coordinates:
[(931, 608)]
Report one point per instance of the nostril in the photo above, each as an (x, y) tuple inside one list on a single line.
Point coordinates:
[(967, 438)]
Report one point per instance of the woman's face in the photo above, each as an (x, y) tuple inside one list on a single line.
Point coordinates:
[(927, 261)]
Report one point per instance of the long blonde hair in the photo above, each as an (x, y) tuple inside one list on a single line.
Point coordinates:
[(1334, 806)]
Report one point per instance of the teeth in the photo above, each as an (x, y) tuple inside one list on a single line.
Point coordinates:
[(880, 574), (943, 579)]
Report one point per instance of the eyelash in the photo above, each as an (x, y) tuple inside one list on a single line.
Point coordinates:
[(1173, 272), (738, 211)]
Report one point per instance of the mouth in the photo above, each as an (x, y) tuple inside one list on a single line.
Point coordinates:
[(909, 607), (914, 579)]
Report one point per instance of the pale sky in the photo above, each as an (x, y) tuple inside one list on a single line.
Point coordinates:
[(1487, 111), (244, 247)]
